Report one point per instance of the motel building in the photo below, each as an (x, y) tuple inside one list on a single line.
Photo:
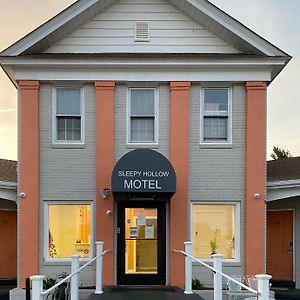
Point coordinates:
[(142, 124)]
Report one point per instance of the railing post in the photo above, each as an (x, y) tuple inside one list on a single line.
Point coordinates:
[(217, 264), (188, 268), (263, 286), (37, 286), (74, 278), (99, 267)]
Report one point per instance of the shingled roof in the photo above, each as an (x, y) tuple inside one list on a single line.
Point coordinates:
[(283, 169), (8, 170)]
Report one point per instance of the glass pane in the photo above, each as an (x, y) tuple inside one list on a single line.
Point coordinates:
[(68, 101), (216, 100), (215, 128), (61, 127), (69, 129), (213, 230), (141, 241), (142, 129), (69, 230), (142, 102)]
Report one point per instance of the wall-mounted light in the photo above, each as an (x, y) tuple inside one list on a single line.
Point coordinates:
[(105, 192), (256, 196), (22, 195)]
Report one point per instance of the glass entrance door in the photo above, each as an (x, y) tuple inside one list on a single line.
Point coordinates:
[(141, 243)]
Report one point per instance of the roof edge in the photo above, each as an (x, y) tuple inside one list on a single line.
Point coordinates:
[(47, 28), (237, 28)]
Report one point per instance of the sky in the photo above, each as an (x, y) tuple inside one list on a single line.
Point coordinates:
[(276, 20)]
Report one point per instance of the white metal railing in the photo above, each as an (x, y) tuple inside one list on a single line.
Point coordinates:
[(37, 280), (263, 288)]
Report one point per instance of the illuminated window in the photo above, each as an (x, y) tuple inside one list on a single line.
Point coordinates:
[(68, 230), (214, 230)]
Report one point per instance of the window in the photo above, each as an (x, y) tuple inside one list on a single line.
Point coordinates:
[(68, 115), (68, 230), (214, 230), (216, 116), (142, 116)]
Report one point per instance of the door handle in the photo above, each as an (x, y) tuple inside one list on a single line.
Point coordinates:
[(291, 246)]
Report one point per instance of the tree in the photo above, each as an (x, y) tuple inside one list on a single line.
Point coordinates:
[(280, 153)]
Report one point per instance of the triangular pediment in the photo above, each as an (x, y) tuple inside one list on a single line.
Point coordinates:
[(230, 35), (169, 31)]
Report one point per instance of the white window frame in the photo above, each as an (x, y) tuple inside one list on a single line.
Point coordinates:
[(128, 118), (237, 224), (48, 259), (229, 118), (54, 115)]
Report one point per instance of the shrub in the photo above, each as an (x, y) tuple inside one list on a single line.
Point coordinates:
[(196, 284)]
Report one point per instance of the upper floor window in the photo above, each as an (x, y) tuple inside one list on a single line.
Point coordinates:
[(142, 120), (216, 115), (68, 115)]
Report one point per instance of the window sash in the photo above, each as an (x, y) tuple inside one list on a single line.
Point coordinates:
[(215, 128), (142, 115), (68, 124), (68, 128), (142, 129), (216, 115)]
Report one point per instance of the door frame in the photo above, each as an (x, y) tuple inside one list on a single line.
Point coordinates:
[(141, 279), (294, 242)]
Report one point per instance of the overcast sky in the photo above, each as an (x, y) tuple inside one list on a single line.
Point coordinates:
[(276, 20)]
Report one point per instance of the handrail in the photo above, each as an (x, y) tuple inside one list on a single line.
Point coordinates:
[(72, 274), (217, 271)]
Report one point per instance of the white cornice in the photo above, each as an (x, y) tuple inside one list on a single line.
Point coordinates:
[(130, 62), (235, 69)]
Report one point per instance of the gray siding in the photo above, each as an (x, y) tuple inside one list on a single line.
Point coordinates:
[(218, 174), (170, 31), (65, 174)]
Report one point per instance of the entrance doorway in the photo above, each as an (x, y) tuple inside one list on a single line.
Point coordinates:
[(141, 243), (280, 244), (8, 242)]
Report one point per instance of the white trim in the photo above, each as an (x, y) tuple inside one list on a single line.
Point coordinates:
[(241, 31), (280, 184), (282, 189), (134, 61), (142, 69), (237, 224), (49, 27), (216, 143), (54, 123), (9, 185), (46, 203), (156, 118)]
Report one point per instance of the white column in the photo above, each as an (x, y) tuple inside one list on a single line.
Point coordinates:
[(74, 278), (99, 267), (263, 286), (217, 264), (37, 286), (188, 268)]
